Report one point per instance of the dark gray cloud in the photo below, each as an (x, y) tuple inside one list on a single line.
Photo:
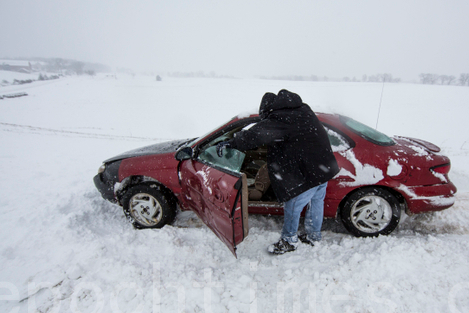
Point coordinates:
[(328, 38)]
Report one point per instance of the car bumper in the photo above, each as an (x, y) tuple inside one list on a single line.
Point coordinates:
[(421, 199), (106, 190)]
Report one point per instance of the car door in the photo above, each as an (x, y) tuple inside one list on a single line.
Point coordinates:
[(216, 191)]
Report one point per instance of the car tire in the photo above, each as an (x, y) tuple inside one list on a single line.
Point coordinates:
[(146, 206), (370, 212)]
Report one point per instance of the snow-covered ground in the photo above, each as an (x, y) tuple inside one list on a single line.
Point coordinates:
[(65, 249)]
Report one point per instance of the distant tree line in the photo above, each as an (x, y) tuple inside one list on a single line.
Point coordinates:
[(386, 77), (201, 74), (425, 78), (432, 79), (312, 78), (41, 77), (70, 67), (29, 81), (45, 77), (59, 66), (379, 78), (22, 81)]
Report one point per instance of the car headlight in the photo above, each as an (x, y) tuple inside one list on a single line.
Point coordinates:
[(101, 169)]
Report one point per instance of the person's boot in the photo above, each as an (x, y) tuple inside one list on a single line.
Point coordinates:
[(305, 239), (281, 247)]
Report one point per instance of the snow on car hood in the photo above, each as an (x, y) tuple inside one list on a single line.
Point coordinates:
[(159, 148)]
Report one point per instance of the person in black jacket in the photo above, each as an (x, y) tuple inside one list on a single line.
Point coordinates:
[(299, 160)]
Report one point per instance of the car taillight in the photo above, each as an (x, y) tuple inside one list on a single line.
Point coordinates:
[(441, 169)]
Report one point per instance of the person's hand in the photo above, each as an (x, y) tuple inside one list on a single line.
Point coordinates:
[(222, 146)]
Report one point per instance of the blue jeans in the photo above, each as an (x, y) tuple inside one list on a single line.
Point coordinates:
[(314, 199)]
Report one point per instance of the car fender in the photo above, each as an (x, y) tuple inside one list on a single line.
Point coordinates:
[(161, 168)]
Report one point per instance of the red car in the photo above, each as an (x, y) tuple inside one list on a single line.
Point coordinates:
[(379, 176)]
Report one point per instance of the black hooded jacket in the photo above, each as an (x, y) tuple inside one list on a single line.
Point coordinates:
[(299, 154)]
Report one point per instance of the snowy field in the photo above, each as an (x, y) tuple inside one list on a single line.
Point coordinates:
[(65, 249)]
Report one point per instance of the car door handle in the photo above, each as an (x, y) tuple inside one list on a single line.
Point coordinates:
[(218, 195)]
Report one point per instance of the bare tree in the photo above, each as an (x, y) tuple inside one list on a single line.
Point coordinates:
[(424, 78), (428, 78), (464, 79), (443, 79), (434, 78), (451, 79), (386, 77)]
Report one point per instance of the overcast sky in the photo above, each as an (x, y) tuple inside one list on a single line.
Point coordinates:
[(333, 38)]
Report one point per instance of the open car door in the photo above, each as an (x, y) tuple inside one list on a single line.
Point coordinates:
[(216, 190)]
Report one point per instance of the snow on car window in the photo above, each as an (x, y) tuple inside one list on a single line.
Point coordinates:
[(338, 143)]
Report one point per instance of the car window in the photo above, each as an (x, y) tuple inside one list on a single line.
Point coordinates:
[(367, 132), (231, 160), (338, 142)]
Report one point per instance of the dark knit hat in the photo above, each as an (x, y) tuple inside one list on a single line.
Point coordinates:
[(266, 104), (287, 99)]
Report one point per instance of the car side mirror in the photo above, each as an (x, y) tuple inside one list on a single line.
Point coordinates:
[(184, 154)]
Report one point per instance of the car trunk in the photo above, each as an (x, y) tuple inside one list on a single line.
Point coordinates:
[(418, 158)]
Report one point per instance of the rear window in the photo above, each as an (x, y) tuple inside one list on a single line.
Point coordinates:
[(367, 132)]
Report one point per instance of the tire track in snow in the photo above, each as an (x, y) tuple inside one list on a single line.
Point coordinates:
[(16, 128)]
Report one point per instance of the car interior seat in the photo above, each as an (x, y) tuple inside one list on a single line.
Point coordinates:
[(261, 184)]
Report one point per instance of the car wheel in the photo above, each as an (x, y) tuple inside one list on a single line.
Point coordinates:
[(147, 207), (371, 212)]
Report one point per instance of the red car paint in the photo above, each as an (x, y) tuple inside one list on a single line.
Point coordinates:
[(407, 168), (416, 173)]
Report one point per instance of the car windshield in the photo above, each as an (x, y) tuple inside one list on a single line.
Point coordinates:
[(367, 132), (191, 142)]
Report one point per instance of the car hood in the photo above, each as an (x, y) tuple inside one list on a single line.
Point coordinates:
[(159, 148)]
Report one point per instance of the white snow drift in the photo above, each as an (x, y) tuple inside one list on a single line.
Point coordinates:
[(65, 249)]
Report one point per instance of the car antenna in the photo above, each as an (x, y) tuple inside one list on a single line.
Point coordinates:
[(380, 100)]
